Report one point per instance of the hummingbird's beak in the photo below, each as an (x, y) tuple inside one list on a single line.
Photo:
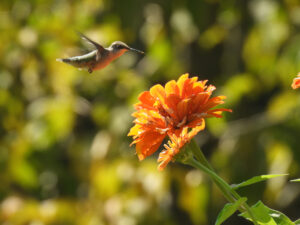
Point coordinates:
[(135, 50)]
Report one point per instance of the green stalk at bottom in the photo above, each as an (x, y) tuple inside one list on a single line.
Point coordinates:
[(202, 159), (230, 194)]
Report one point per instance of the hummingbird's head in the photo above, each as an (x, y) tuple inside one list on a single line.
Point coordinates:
[(120, 48)]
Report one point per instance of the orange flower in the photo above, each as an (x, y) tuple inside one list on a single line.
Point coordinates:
[(178, 111), (296, 82)]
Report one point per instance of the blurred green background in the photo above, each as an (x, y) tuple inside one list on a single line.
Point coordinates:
[(64, 152)]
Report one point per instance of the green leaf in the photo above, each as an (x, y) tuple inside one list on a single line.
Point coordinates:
[(297, 222), (228, 210), (267, 216), (256, 179), (295, 180)]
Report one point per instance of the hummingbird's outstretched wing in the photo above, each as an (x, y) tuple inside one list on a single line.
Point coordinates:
[(98, 46)]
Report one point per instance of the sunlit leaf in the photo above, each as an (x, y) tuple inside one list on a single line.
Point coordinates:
[(297, 222), (267, 216), (296, 180), (256, 179), (228, 210)]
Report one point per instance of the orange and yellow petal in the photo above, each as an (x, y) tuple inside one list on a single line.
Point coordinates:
[(183, 108), (171, 103), (148, 144), (186, 85), (146, 101), (158, 92), (199, 86), (181, 81), (172, 88), (211, 103), (217, 112), (198, 100), (135, 130), (196, 122), (149, 118)]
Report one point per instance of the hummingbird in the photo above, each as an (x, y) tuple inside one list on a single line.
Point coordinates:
[(100, 57)]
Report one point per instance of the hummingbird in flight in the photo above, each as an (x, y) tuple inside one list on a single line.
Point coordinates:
[(100, 57)]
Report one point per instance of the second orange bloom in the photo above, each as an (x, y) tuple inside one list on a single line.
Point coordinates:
[(296, 82)]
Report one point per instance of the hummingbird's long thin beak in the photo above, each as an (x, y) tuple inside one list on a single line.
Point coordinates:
[(135, 50)]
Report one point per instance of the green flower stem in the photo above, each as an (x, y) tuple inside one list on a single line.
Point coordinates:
[(192, 162), (199, 154), (225, 188), (230, 194), (202, 159)]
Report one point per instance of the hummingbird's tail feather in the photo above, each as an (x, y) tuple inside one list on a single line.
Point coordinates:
[(63, 60), (76, 61)]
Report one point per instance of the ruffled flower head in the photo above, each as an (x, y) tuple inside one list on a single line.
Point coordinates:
[(178, 111)]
